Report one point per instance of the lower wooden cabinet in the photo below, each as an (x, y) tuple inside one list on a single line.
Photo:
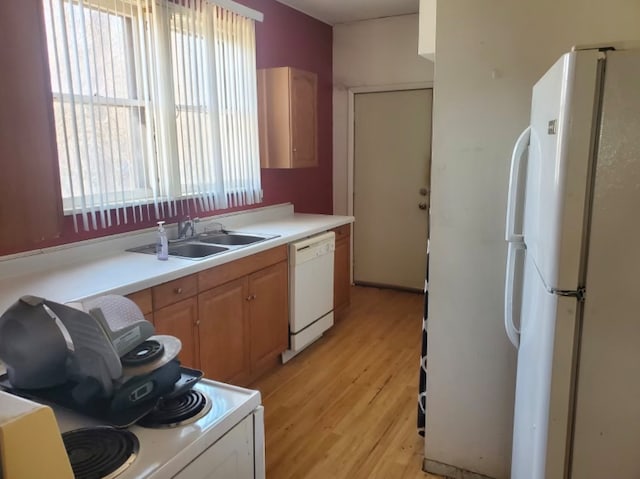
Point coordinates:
[(224, 332), (232, 319), (268, 316), (244, 325), (342, 271), (180, 320)]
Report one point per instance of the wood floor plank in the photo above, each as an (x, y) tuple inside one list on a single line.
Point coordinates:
[(345, 408)]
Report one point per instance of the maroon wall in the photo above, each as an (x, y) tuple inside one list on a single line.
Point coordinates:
[(290, 38), (286, 37)]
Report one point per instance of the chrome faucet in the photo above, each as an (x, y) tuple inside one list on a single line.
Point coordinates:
[(185, 225)]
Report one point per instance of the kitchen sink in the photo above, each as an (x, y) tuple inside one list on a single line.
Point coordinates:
[(189, 250), (230, 238), (206, 244)]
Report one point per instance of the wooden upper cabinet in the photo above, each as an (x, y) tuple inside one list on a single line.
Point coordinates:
[(304, 121), (29, 183), (288, 118)]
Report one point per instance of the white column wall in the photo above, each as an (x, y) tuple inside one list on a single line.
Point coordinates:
[(490, 54)]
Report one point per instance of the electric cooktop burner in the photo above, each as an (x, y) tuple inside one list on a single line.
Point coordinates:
[(100, 452), (183, 409)]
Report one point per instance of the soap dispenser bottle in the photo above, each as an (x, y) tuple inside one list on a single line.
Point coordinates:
[(162, 244)]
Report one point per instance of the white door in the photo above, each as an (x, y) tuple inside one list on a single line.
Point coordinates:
[(392, 157)]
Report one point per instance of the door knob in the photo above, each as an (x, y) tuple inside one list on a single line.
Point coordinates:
[(422, 206), (423, 191)]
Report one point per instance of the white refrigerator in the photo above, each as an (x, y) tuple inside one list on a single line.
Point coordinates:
[(572, 293)]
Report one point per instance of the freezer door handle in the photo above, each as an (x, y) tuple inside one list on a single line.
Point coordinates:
[(512, 332), (519, 149)]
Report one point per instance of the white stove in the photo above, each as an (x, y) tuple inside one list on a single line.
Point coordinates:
[(228, 441)]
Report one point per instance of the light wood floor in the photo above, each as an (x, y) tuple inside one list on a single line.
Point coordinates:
[(346, 406)]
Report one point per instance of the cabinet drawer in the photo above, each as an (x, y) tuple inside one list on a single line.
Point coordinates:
[(227, 272), (142, 300), (343, 231), (174, 291)]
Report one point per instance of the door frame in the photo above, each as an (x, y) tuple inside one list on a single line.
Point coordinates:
[(351, 118)]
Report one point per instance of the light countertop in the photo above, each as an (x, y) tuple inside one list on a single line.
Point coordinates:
[(103, 266)]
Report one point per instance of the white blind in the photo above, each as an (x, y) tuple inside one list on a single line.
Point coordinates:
[(154, 103)]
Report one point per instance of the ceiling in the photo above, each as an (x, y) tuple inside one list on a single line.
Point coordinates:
[(343, 11)]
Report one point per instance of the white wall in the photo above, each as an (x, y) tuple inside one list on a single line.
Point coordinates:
[(369, 53), (476, 119)]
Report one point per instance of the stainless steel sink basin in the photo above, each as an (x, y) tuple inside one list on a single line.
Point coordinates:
[(230, 238), (189, 250), (195, 250)]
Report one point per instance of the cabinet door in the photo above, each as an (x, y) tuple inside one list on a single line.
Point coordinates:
[(303, 119), (287, 118), (180, 320), (341, 277), (269, 315), (223, 332)]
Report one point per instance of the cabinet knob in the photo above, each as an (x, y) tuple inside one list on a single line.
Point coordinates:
[(198, 322), (251, 297), (178, 290)]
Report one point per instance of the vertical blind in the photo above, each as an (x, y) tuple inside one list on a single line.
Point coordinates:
[(155, 103)]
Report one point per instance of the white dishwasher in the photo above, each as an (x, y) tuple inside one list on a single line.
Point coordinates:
[(310, 291)]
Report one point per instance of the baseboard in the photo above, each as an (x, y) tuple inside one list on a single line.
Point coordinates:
[(452, 472)]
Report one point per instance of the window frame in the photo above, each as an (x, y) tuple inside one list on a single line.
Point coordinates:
[(171, 163)]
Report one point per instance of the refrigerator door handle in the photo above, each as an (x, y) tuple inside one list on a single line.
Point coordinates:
[(512, 332), (516, 162)]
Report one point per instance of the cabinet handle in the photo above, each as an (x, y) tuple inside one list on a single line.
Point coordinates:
[(178, 290)]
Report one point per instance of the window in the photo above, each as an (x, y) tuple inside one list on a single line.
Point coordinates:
[(155, 102)]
